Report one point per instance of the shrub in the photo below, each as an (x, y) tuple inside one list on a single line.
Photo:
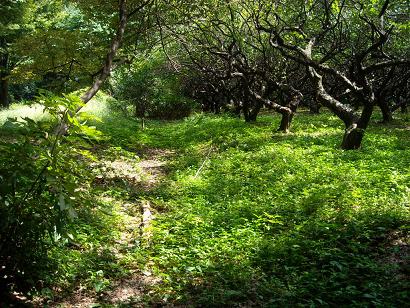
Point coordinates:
[(149, 88), (23, 91), (42, 179)]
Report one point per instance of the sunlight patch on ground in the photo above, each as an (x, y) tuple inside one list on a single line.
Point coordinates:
[(134, 218), (34, 112)]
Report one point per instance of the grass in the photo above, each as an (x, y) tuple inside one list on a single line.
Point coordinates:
[(282, 220), (248, 216), (34, 112)]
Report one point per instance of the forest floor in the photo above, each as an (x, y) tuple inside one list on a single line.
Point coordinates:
[(137, 174), (214, 212)]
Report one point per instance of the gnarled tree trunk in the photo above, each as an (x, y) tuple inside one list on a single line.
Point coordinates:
[(314, 106), (287, 112), (386, 111), (253, 113), (354, 133), (285, 122), (352, 138), (287, 115)]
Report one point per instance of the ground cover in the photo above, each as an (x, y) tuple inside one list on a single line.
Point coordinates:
[(212, 211)]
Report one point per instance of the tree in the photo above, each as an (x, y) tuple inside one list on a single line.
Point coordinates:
[(11, 27), (233, 62), (40, 40), (345, 41)]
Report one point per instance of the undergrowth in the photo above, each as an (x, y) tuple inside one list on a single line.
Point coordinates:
[(249, 216), (283, 220)]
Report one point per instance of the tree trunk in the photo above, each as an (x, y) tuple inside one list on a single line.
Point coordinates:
[(217, 107), (4, 72), (314, 106), (353, 137), (252, 116), (246, 111), (4, 92), (287, 114), (354, 133), (385, 109), (237, 109), (246, 115), (403, 105), (286, 121)]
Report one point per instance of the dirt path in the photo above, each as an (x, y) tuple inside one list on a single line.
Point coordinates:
[(143, 175)]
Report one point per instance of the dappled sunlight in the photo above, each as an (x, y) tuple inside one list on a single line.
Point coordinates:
[(282, 206), (34, 112), (204, 153), (214, 211)]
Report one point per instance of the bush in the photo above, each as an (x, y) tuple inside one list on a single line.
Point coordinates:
[(23, 91), (149, 88), (42, 179)]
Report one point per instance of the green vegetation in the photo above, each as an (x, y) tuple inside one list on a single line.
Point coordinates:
[(286, 220), (213, 153), (151, 89), (243, 215)]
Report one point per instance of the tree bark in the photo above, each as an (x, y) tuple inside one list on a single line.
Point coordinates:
[(4, 92), (287, 115), (287, 112), (253, 114), (344, 112), (246, 113), (314, 106), (285, 122), (352, 138), (4, 81), (355, 127), (237, 108), (386, 111)]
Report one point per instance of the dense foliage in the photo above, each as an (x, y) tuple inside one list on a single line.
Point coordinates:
[(205, 210), (282, 221), (152, 89), (43, 181), (241, 217)]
